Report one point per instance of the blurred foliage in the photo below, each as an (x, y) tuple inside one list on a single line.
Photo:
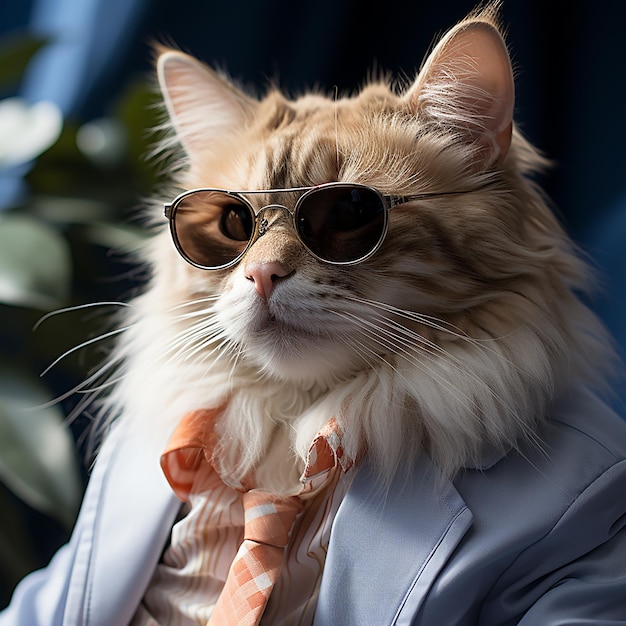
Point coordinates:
[(16, 51), (56, 253)]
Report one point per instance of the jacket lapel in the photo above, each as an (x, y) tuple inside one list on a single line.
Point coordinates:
[(136, 510), (388, 545)]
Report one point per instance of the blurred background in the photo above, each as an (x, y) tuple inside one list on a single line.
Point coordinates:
[(75, 103)]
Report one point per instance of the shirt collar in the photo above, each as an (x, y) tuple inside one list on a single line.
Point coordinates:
[(191, 446)]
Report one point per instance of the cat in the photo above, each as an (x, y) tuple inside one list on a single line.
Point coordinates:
[(381, 269), (454, 337)]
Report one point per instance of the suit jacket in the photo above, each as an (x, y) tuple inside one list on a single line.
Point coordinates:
[(532, 538)]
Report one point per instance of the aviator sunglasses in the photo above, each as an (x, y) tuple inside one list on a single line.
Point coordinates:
[(338, 223)]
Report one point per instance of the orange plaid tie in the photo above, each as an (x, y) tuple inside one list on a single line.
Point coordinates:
[(254, 571), (268, 518)]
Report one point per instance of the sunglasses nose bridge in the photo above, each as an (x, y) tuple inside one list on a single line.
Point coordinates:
[(263, 222)]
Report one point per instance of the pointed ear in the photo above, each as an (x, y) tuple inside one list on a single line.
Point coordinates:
[(467, 85), (202, 105)]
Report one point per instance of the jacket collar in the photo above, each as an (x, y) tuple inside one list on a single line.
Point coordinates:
[(388, 546)]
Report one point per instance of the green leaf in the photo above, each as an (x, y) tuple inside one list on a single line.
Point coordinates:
[(37, 457), (119, 237), (140, 112), (35, 264), (16, 51), (64, 210)]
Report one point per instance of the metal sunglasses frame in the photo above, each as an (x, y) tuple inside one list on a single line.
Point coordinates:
[(388, 202)]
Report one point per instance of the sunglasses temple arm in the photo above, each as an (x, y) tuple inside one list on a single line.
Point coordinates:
[(167, 210), (395, 201)]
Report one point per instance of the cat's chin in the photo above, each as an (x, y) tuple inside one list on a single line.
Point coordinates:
[(296, 355), (284, 342)]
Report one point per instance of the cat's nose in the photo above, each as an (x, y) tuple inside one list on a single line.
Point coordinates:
[(264, 276)]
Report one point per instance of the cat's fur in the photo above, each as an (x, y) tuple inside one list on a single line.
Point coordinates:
[(453, 338)]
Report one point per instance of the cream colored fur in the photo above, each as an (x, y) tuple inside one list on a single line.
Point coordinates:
[(453, 339)]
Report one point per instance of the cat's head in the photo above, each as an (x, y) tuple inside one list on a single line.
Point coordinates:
[(292, 314), (467, 304)]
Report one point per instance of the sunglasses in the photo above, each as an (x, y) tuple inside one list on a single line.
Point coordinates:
[(338, 223)]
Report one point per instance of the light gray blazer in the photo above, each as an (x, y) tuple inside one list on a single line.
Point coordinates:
[(534, 539)]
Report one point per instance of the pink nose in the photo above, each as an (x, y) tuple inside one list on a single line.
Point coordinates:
[(264, 276)]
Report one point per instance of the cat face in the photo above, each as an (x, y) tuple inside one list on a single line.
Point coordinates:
[(286, 312)]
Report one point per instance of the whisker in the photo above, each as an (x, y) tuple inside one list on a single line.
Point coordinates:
[(439, 325), (194, 302), (193, 340), (407, 333), (427, 320), (433, 348), (103, 386), (384, 340), (236, 358), (100, 372), (203, 345), (365, 351), (79, 307), (389, 338), (80, 346)]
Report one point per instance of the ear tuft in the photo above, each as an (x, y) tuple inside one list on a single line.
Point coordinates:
[(202, 105), (466, 86)]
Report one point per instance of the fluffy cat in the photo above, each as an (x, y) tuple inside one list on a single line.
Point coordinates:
[(453, 338)]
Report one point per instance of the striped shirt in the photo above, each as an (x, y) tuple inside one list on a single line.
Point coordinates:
[(194, 567)]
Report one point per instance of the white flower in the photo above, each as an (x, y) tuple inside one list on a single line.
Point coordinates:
[(27, 130)]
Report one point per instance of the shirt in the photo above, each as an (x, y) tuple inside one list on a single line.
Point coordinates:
[(192, 571)]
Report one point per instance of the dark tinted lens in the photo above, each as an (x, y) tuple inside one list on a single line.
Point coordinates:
[(341, 224), (212, 228)]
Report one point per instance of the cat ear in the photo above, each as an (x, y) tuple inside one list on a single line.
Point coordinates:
[(202, 105), (467, 85)]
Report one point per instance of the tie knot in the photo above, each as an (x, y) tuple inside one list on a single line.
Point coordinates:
[(269, 518)]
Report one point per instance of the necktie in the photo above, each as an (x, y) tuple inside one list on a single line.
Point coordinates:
[(254, 571), (268, 518)]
